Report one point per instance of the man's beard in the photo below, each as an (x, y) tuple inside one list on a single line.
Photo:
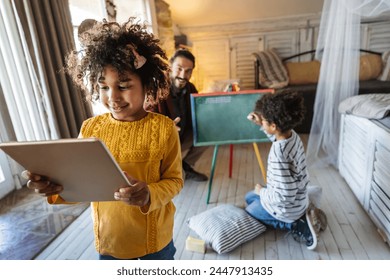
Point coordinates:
[(180, 82)]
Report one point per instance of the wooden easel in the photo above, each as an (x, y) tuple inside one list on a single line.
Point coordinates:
[(214, 160), (220, 118)]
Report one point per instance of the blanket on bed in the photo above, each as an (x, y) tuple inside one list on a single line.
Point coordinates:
[(371, 106)]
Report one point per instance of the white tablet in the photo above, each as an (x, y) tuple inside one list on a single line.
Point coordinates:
[(84, 167)]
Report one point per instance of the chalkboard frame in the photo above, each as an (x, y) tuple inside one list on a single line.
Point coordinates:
[(244, 131)]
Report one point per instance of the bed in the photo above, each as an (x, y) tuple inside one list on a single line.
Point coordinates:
[(364, 154), (272, 71)]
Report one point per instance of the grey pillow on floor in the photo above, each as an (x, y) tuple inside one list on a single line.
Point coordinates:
[(225, 227)]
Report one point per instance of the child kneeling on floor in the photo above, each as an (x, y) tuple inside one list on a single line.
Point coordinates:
[(284, 202)]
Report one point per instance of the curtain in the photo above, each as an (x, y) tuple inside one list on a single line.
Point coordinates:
[(38, 100), (338, 49), (7, 132), (42, 101), (13, 71)]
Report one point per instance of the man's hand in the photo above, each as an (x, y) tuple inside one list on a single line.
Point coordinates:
[(176, 121)]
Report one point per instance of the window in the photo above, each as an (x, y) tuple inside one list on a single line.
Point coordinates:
[(96, 9)]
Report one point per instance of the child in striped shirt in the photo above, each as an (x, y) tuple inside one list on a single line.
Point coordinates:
[(283, 203)]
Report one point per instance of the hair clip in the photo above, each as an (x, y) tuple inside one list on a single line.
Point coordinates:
[(140, 60)]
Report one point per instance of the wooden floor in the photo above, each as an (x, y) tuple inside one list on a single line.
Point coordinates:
[(350, 234)]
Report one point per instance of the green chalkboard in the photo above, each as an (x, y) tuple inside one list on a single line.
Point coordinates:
[(221, 118)]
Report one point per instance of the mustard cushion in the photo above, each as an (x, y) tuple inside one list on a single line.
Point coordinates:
[(300, 73), (370, 67)]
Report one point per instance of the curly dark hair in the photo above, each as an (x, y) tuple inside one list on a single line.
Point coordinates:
[(283, 108), (111, 43)]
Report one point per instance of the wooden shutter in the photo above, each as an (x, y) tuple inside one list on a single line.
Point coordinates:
[(286, 43), (212, 62), (376, 36), (242, 62)]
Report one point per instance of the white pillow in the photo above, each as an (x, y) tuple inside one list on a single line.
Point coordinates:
[(371, 106), (225, 227)]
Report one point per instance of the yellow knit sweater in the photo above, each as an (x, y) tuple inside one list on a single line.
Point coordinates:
[(148, 150)]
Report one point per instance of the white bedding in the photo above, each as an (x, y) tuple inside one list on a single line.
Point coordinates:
[(371, 106)]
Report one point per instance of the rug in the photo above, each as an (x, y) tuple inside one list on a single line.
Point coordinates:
[(28, 223)]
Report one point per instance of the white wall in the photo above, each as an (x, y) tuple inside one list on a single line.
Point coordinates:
[(223, 34), (209, 12)]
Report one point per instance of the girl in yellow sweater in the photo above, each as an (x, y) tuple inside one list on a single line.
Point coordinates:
[(124, 67)]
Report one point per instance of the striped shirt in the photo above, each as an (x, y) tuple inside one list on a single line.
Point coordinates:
[(285, 196)]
